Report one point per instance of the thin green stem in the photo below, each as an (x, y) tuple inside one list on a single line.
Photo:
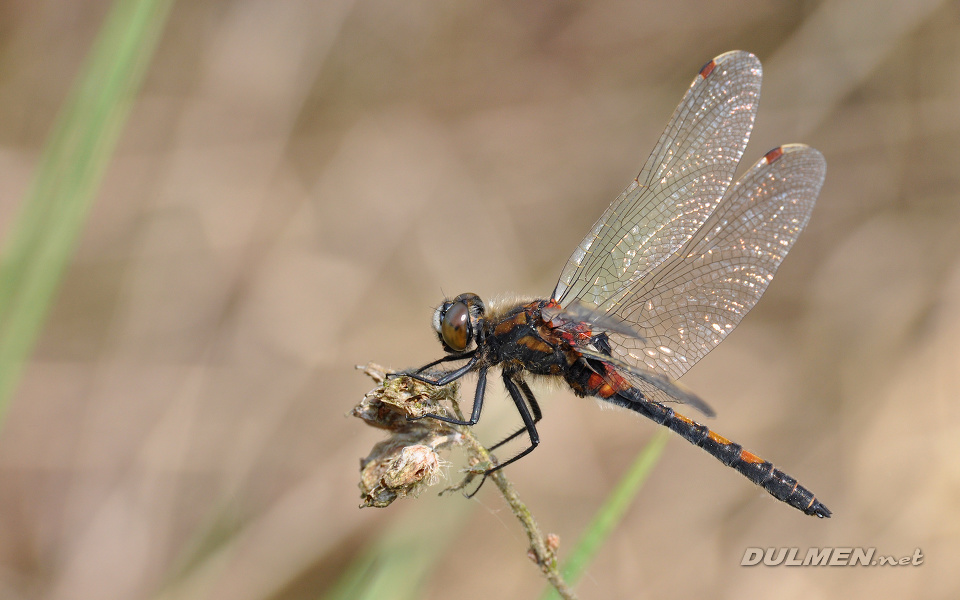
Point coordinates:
[(612, 511)]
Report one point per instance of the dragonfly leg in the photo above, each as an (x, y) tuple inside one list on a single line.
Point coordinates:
[(447, 358), (529, 424), (477, 404), (537, 414), (447, 376)]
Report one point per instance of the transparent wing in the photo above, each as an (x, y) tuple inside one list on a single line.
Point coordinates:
[(691, 301), (681, 183), (575, 315), (586, 328), (655, 386)]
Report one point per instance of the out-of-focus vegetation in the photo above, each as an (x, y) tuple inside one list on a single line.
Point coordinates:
[(299, 182)]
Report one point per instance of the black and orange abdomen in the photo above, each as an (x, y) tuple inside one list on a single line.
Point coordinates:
[(593, 378), (761, 472)]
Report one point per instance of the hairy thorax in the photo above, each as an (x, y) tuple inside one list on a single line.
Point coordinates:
[(518, 339)]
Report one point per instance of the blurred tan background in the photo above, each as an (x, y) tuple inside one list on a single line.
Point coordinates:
[(300, 183)]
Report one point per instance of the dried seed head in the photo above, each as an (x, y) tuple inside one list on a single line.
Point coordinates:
[(406, 462), (399, 399), (397, 471)]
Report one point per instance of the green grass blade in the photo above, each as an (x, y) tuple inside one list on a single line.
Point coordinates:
[(41, 240), (610, 514)]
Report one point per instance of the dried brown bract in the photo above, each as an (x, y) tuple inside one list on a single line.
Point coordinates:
[(407, 462)]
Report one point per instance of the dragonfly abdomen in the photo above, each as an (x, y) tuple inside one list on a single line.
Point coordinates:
[(761, 472)]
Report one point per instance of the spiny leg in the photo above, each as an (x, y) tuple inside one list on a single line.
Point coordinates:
[(537, 415), (447, 358), (528, 423), (477, 404), (445, 379)]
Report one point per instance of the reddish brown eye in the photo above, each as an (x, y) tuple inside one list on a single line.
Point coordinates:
[(455, 326)]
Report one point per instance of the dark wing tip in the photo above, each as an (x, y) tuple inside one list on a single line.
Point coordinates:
[(708, 68), (773, 155), (747, 59)]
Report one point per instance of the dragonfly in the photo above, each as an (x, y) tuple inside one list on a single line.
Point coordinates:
[(665, 274)]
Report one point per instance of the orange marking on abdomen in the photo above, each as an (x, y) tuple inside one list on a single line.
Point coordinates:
[(718, 438), (606, 386), (616, 381), (750, 457)]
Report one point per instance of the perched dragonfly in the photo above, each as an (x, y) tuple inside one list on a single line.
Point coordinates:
[(669, 270)]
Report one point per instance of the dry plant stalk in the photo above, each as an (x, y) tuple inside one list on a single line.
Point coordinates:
[(408, 462)]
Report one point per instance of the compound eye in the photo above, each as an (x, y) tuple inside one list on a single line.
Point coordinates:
[(455, 326)]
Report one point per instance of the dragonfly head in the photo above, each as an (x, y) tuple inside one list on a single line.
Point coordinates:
[(456, 322)]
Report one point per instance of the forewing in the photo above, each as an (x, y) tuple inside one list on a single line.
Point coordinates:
[(576, 314), (655, 386), (691, 301), (681, 183)]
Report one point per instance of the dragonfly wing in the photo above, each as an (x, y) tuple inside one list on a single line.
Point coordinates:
[(681, 183), (692, 300), (654, 386), (576, 315)]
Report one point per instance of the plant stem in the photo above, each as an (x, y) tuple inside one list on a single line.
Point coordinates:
[(541, 551)]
